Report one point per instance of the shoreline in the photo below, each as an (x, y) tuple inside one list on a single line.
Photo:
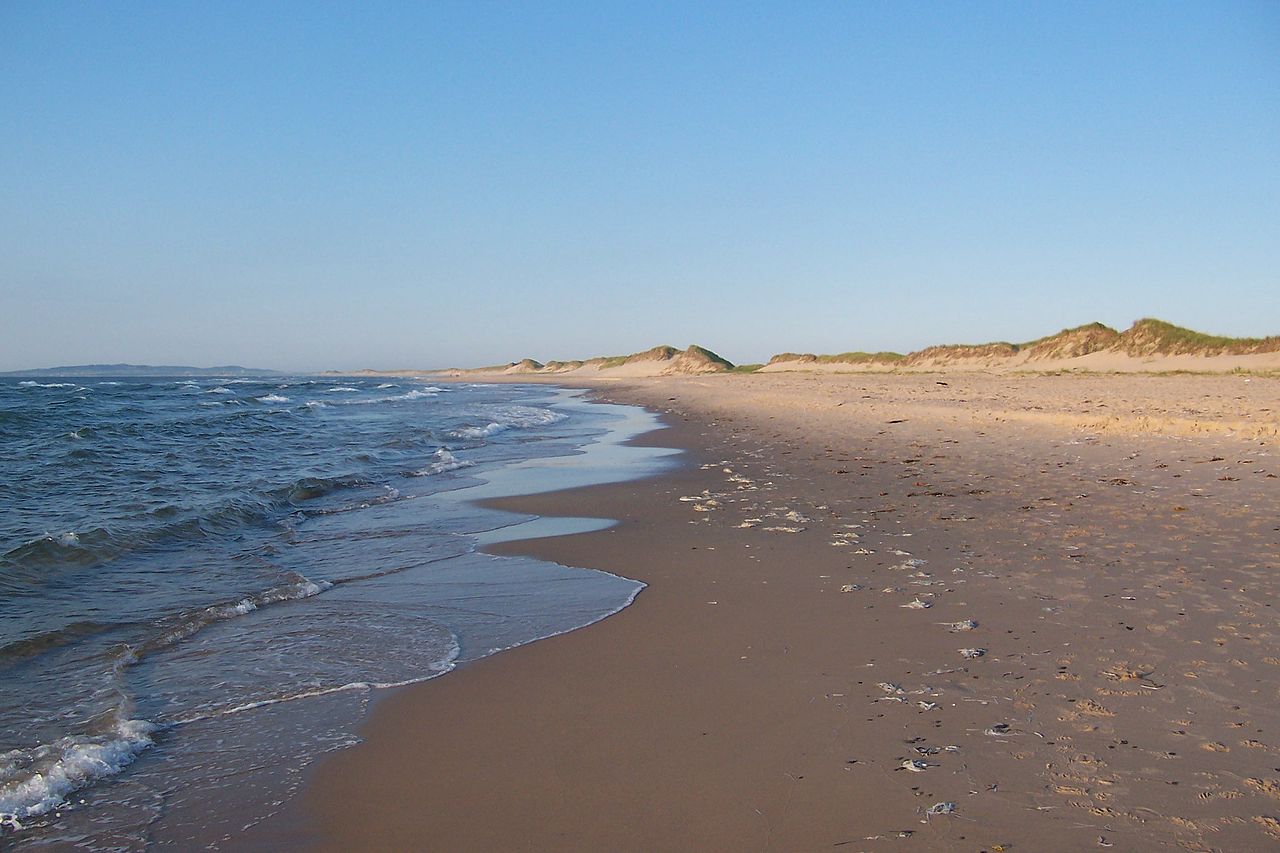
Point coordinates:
[(1125, 694)]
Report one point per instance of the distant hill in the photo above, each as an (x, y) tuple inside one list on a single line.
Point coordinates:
[(1149, 344), (659, 361), (142, 370)]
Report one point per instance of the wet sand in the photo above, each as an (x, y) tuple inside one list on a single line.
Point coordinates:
[(802, 674)]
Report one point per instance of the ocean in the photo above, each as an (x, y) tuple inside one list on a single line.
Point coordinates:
[(204, 582)]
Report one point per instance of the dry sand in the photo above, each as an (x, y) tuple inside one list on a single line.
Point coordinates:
[(800, 673)]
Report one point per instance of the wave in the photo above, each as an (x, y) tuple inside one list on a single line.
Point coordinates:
[(36, 780), (33, 384), (341, 389), (28, 564), (189, 622), (445, 461), (38, 644), (273, 398), (309, 488), (219, 390), (510, 417), (416, 394), (438, 668), (492, 428), (64, 549), (386, 385)]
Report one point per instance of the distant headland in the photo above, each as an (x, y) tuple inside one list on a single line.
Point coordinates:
[(117, 370)]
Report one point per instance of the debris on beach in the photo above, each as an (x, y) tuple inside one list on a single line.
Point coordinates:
[(940, 809), (851, 587), (890, 687), (997, 730), (783, 529), (972, 654), (962, 625), (917, 604), (915, 765), (927, 706)]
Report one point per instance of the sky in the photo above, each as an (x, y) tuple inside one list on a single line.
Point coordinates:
[(302, 185)]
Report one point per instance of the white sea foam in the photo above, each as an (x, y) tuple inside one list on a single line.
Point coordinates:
[(32, 384), (69, 538), (510, 417), (341, 389), (445, 461), (416, 394), (37, 780), (192, 622), (273, 398), (220, 390), (316, 404), (386, 385), (479, 432)]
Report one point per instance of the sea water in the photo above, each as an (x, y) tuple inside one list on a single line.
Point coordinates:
[(203, 582)]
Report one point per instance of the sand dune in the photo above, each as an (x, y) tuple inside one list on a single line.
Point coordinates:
[(1149, 346), (658, 361)]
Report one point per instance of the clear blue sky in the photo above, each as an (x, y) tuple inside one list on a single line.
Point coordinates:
[(303, 185)]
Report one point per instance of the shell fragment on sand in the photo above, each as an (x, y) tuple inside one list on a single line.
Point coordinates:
[(915, 765), (917, 604), (962, 625), (972, 654), (940, 809)]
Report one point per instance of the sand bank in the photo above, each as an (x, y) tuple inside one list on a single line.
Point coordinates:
[(883, 613)]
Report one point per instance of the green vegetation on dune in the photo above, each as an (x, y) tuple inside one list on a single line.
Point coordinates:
[(839, 358), (1152, 336), (707, 355), (1087, 328), (1147, 337), (860, 357)]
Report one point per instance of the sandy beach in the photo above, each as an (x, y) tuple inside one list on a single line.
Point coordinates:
[(934, 612)]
